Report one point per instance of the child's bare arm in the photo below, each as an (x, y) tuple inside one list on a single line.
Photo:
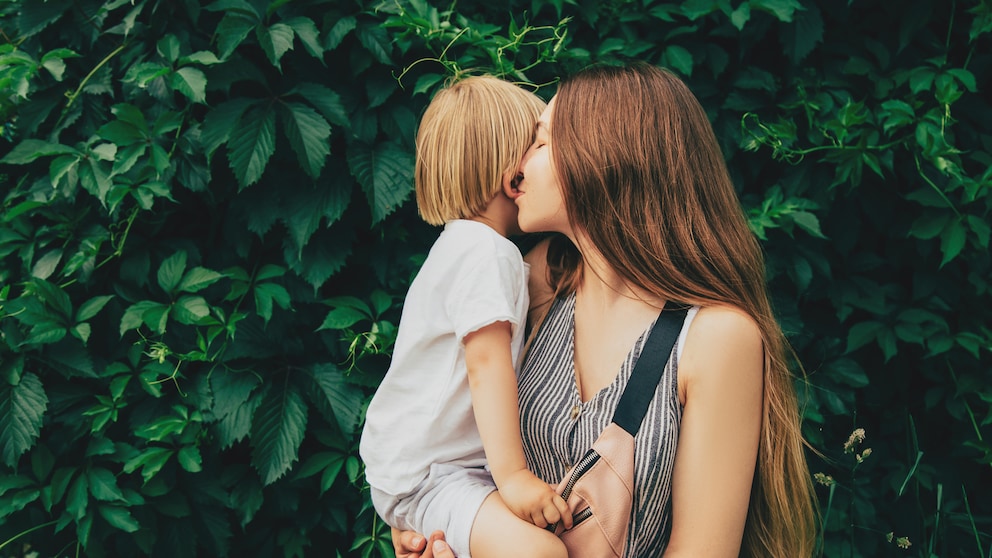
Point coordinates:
[(493, 384)]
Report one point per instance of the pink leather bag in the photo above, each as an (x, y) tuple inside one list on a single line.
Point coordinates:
[(599, 489)]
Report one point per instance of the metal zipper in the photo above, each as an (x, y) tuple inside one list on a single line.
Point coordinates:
[(583, 466), (581, 516), (586, 463)]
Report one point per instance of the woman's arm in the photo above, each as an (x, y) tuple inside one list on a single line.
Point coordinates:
[(721, 384), (493, 383)]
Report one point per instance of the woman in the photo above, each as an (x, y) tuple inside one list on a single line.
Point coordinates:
[(626, 168)]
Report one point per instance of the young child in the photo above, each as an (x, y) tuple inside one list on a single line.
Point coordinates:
[(442, 432)]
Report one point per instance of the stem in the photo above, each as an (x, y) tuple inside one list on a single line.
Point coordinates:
[(26, 532), (971, 518), (919, 169), (72, 96)]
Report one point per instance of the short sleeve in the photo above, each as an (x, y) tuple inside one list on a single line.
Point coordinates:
[(486, 289)]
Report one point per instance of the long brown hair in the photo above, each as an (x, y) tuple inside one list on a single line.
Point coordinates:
[(643, 176)]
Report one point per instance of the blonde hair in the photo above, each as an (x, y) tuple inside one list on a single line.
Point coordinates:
[(642, 173), (472, 134)]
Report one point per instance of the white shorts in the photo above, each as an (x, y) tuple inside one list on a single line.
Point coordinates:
[(447, 500)]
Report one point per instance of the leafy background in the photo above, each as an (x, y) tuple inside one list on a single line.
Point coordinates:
[(207, 232)]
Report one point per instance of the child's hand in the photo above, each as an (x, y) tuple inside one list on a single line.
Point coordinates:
[(533, 500)]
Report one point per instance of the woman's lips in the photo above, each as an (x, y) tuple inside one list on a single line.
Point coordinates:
[(515, 186)]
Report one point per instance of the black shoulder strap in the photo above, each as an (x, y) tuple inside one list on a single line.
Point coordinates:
[(650, 366)]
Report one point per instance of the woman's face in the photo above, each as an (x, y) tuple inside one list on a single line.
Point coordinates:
[(540, 206)]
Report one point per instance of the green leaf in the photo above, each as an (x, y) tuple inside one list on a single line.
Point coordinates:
[(861, 334), (306, 30), (921, 79), (103, 485), (171, 271), (192, 83), (236, 425), (381, 301), (331, 473), (31, 149), (238, 6), (46, 265), (251, 144), (342, 318), (95, 179), (966, 78), (91, 307), (20, 209), (952, 241), (340, 30), (55, 297), (203, 57), (22, 409), (55, 66), (150, 461), (276, 41), (308, 134), (190, 310), (327, 101), (679, 58), (105, 151), (929, 225), (134, 315), (324, 256), (277, 431), (345, 399), (981, 228), (313, 465), (198, 279), (377, 41), (809, 222), (741, 15), (144, 73), (270, 271), (385, 173), (119, 517), (848, 372), (32, 17), (781, 9), (130, 114), (189, 459), (232, 30), (45, 333), (231, 390), (800, 38), (11, 368), (219, 122), (168, 48), (78, 497), (265, 295), (82, 332), (121, 133), (64, 166)]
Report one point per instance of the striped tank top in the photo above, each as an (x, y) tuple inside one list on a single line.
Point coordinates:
[(557, 427)]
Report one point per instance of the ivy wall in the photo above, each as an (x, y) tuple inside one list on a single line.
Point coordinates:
[(207, 230)]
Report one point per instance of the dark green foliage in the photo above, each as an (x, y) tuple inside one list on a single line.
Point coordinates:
[(207, 231)]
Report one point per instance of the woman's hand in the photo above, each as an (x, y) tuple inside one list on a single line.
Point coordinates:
[(408, 544)]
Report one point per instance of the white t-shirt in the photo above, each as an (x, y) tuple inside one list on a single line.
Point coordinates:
[(422, 412)]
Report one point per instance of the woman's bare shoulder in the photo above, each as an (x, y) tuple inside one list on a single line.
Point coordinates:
[(723, 342)]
